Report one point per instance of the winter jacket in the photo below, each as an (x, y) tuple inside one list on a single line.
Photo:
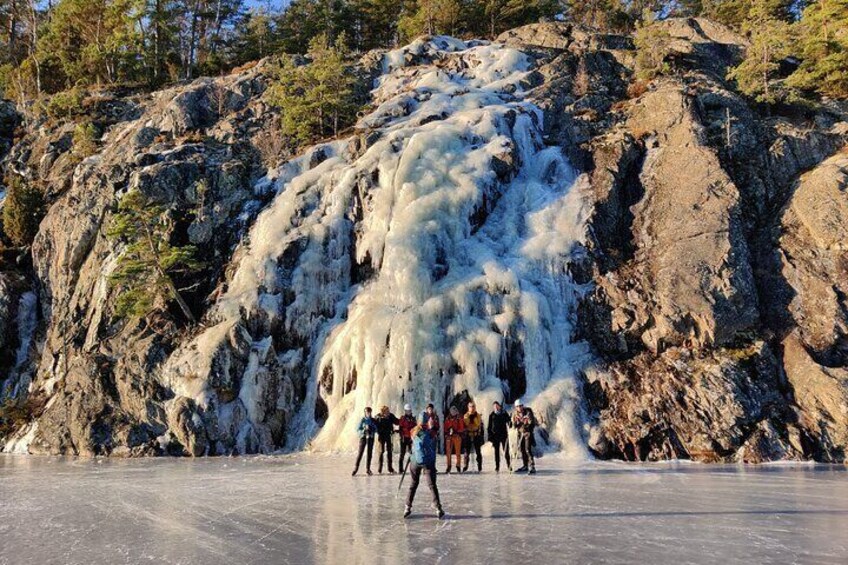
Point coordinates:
[(454, 426), (498, 424), (473, 425), (367, 427), (424, 449), (385, 425), (425, 421), (525, 423), (406, 423)]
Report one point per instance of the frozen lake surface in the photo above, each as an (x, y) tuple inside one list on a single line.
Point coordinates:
[(307, 508)]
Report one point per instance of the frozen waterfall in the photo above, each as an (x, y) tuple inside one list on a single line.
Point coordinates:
[(432, 261)]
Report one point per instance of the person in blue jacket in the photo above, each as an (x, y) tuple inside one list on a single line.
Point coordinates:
[(367, 429), (423, 460)]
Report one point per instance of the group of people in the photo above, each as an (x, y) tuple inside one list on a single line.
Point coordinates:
[(463, 437)]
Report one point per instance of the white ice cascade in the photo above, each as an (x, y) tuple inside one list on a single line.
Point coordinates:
[(467, 226)]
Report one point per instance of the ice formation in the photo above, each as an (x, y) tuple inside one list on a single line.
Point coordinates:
[(431, 261), (26, 322)]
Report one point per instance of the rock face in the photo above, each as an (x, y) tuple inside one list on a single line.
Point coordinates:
[(710, 286), (814, 250), (718, 307)]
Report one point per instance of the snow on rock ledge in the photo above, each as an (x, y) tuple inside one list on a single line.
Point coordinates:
[(424, 257)]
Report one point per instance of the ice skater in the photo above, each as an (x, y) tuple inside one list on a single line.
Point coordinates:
[(473, 437), (498, 434), (524, 421), (386, 422), (405, 425), (366, 428), (423, 460)]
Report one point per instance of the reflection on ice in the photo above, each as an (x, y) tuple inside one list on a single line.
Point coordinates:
[(306, 508)]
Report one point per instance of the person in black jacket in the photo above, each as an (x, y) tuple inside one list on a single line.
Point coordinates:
[(386, 422), (498, 434)]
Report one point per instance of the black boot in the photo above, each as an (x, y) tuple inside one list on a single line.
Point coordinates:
[(407, 512), (532, 471), (354, 473), (440, 513)]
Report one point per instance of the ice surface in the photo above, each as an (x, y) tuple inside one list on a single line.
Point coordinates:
[(464, 259), (307, 509)]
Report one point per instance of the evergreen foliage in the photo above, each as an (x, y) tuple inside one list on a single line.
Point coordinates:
[(822, 43), (51, 47), (85, 140), (149, 262), (23, 210), (771, 42), (317, 98), (652, 47)]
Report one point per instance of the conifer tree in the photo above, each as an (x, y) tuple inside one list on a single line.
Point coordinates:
[(823, 46), (23, 210), (92, 41), (652, 47), (770, 43), (149, 262), (317, 99)]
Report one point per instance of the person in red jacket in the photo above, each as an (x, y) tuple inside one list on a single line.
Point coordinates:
[(405, 425), (454, 433)]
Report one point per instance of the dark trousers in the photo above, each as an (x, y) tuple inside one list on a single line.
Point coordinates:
[(363, 443), (473, 444), (405, 447), (525, 443), (385, 449), (415, 471), (499, 444)]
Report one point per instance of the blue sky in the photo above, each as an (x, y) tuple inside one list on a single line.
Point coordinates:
[(275, 4)]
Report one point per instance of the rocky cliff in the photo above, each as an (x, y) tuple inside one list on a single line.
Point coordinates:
[(659, 268)]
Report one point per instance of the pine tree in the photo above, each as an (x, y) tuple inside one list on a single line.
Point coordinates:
[(652, 47), (738, 14), (23, 210), (305, 20), (604, 15), (770, 43), (317, 99), (823, 46), (148, 262), (92, 41)]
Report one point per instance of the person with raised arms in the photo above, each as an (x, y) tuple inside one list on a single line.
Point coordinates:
[(423, 461)]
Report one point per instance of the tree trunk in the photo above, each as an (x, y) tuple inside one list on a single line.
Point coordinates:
[(192, 41), (13, 28), (34, 32), (172, 288)]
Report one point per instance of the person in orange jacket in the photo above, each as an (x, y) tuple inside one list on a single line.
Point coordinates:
[(454, 433), (473, 437)]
